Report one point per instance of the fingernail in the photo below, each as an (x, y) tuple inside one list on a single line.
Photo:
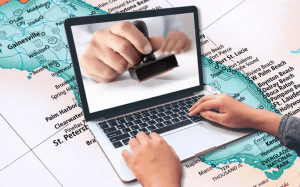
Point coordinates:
[(148, 49)]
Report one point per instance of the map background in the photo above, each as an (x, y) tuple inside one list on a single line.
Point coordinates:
[(50, 155)]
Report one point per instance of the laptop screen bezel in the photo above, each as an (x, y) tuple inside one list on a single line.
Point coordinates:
[(138, 105)]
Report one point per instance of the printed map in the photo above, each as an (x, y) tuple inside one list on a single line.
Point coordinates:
[(33, 41)]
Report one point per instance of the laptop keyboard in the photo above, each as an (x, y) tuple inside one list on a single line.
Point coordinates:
[(159, 119)]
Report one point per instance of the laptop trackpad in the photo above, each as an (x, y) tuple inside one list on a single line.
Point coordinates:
[(190, 141)]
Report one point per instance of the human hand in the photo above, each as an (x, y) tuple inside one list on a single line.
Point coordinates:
[(176, 42), (235, 114), (114, 49), (153, 161)]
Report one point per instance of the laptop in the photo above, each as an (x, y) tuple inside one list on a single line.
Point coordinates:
[(118, 110)]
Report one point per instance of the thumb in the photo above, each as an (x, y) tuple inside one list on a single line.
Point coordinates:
[(157, 42), (127, 156), (213, 116)]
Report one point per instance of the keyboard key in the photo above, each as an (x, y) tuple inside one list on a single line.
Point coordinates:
[(159, 120), (159, 125), (138, 116), (168, 108), (175, 106), (183, 108), (144, 130), (104, 126), (137, 122), (175, 115), (183, 118), (133, 133), (108, 130), (195, 118), (136, 113), (125, 141), (152, 109), (181, 101), (120, 127), (126, 130), (167, 122), (175, 120), (143, 125), (146, 119), (153, 112), (102, 123), (181, 113), (189, 102), (167, 118), (146, 114), (130, 118), (153, 117), (135, 127), (189, 106), (121, 121), (120, 137), (117, 144), (112, 124), (161, 110), (161, 114), (152, 122), (129, 124), (150, 128), (172, 127), (115, 133), (112, 120), (181, 104), (169, 113), (176, 110)]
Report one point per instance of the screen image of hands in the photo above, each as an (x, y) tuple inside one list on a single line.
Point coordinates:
[(114, 49)]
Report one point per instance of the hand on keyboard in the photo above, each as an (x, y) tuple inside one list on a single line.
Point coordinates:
[(224, 109), (153, 161)]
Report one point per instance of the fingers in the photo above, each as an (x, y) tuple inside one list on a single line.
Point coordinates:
[(127, 156), (157, 42), (103, 80), (155, 136), (94, 66), (120, 45), (208, 105), (134, 144), (203, 99), (213, 116), (142, 138), (128, 31), (113, 60), (177, 47), (176, 42)]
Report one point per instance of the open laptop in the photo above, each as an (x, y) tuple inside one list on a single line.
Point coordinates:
[(117, 111)]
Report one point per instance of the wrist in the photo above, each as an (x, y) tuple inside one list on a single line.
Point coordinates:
[(266, 121)]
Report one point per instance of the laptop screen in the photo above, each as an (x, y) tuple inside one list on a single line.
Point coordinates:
[(116, 67)]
